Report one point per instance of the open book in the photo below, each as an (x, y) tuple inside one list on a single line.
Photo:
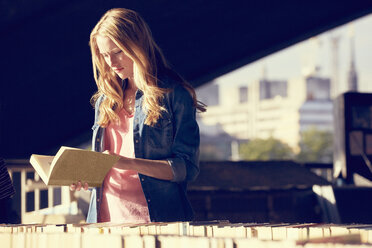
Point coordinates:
[(71, 164)]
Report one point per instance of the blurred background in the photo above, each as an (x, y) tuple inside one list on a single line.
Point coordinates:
[(287, 136), (287, 98)]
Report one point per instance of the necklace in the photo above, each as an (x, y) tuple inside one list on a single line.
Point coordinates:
[(128, 101), (130, 90)]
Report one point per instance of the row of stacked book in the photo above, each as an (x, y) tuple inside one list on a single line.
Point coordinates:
[(213, 234)]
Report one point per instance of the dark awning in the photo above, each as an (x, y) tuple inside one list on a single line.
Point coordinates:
[(46, 78)]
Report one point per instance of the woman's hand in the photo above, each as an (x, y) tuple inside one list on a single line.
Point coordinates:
[(78, 186), (109, 152)]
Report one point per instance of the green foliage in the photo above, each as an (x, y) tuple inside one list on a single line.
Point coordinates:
[(316, 146), (265, 149)]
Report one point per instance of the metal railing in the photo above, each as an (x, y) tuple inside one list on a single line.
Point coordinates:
[(50, 204)]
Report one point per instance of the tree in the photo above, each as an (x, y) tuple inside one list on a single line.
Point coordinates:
[(316, 146), (265, 149)]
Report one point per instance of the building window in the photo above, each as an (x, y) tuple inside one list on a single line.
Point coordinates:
[(243, 94), (318, 88), (209, 94), (271, 88)]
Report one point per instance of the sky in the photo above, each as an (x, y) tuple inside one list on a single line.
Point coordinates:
[(299, 59)]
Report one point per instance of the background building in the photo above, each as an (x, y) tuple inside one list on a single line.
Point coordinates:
[(269, 108)]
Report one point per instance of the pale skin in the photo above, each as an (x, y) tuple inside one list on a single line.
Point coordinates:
[(122, 65)]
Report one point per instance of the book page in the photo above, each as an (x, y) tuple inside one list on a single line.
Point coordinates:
[(72, 165), (42, 165)]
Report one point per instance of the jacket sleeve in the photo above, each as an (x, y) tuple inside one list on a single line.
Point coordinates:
[(185, 147)]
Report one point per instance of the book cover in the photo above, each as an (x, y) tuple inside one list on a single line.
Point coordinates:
[(70, 165)]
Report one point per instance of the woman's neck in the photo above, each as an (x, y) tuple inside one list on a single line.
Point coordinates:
[(131, 85)]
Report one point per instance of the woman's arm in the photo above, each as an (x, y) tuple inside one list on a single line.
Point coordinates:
[(159, 169), (184, 161)]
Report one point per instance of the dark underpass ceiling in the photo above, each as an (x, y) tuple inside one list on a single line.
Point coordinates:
[(46, 80)]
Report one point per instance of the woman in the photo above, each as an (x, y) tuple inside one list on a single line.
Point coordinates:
[(145, 113)]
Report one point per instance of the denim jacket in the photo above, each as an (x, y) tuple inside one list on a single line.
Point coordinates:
[(174, 138)]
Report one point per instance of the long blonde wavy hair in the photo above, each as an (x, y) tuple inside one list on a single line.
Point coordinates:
[(132, 35)]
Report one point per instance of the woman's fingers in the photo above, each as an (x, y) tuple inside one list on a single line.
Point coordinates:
[(73, 187), (86, 186), (78, 186)]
